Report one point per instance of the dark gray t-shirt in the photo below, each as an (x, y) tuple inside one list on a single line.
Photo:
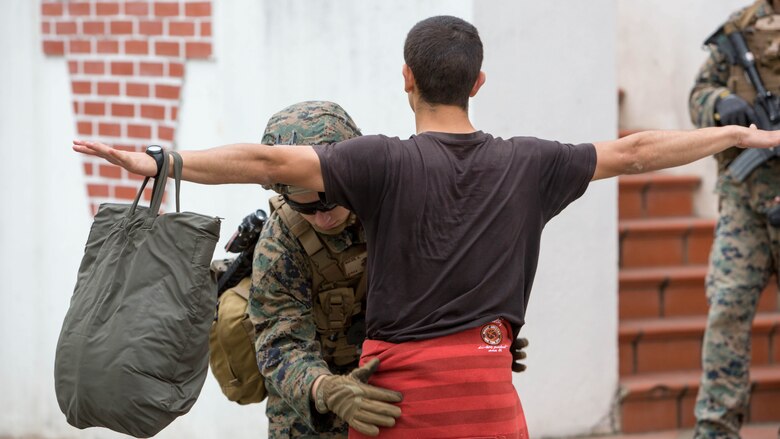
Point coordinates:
[(453, 223)]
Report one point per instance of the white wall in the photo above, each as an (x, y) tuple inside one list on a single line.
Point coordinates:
[(44, 221), (548, 63), (660, 50), (551, 73)]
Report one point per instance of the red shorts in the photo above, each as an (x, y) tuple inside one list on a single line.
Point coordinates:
[(456, 386)]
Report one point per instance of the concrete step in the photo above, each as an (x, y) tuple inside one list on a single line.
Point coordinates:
[(674, 343), (656, 195), (665, 401), (662, 309), (674, 291), (665, 242)]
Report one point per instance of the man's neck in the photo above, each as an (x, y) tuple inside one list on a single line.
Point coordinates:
[(442, 119)]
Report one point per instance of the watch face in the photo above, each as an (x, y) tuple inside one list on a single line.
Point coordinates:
[(154, 148)]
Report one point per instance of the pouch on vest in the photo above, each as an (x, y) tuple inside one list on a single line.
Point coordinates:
[(232, 348)]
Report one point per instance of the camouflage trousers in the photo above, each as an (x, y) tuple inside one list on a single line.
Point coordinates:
[(744, 255)]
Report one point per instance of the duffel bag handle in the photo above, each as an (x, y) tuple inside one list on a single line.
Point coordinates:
[(158, 189), (178, 164)]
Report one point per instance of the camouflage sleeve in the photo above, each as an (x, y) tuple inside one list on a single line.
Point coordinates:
[(280, 306), (710, 83)]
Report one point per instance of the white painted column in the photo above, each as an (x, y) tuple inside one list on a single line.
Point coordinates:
[(551, 73)]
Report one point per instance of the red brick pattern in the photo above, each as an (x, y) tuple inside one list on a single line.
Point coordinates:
[(126, 63)]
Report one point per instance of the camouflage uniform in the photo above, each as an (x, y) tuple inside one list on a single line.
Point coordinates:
[(743, 257), (289, 354)]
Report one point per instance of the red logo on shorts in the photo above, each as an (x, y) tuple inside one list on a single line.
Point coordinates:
[(491, 334)]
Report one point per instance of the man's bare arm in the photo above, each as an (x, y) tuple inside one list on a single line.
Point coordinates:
[(296, 165), (653, 150)]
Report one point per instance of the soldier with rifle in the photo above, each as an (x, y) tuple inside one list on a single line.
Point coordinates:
[(738, 85)]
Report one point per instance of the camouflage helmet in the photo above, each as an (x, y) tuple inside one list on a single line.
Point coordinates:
[(308, 123)]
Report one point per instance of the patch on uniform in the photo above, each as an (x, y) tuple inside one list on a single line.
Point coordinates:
[(491, 334), (355, 265)]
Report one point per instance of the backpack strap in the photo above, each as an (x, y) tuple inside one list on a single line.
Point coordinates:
[(748, 15), (324, 264), (295, 222)]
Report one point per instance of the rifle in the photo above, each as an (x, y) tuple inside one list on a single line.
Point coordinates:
[(731, 42), (242, 242)]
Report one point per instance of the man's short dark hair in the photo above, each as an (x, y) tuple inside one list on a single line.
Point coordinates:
[(445, 56)]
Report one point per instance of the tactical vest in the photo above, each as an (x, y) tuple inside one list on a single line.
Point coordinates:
[(338, 287), (762, 35)]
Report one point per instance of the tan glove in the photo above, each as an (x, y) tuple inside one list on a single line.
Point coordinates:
[(364, 407), (518, 354)]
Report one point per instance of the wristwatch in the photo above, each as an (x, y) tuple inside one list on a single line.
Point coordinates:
[(156, 152)]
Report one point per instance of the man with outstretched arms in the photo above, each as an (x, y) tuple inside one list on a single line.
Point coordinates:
[(453, 218)]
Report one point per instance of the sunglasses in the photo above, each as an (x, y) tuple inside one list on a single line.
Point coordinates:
[(310, 208)]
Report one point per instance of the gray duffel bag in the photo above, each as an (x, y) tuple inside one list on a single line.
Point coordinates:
[(133, 351)]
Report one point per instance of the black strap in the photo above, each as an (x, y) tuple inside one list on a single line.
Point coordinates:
[(157, 155)]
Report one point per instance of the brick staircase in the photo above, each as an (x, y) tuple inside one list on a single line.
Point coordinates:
[(662, 309)]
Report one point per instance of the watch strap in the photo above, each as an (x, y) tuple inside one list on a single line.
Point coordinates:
[(157, 155)]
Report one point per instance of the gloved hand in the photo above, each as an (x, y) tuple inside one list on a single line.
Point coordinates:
[(364, 407), (733, 110), (518, 354)]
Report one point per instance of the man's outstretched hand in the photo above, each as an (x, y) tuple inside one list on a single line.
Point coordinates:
[(135, 162), (752, 137)]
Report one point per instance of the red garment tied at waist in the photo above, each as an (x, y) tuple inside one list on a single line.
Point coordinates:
[(456, 386)]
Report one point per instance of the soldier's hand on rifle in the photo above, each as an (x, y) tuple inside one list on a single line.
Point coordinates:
[(518, 354), (364, 407), (733, 110)]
